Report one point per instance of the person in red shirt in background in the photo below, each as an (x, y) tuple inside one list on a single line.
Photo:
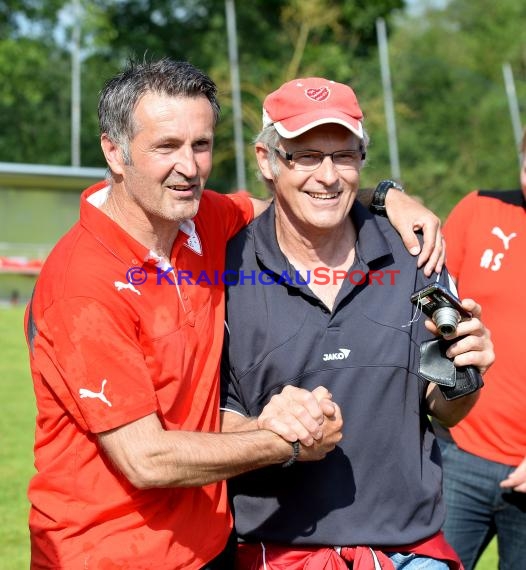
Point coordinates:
[(125, 352), (485, 454)]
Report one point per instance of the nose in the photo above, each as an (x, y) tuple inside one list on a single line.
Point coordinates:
[(326, 171), (185, 162)]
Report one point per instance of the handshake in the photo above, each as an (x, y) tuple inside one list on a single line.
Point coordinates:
[(309, 420)]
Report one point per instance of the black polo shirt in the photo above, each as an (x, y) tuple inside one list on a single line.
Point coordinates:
[(382, 484)]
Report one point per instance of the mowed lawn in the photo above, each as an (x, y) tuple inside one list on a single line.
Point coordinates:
[(17, 418)]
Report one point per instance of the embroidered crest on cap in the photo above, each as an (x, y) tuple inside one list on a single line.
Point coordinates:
[(318, 93)]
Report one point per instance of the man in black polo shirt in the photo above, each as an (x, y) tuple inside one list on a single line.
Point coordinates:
[(320, 312)]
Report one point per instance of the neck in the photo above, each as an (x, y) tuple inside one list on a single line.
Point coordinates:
[(333, 247), (153, 233)]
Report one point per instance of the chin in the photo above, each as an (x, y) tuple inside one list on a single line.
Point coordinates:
[(184, 214)]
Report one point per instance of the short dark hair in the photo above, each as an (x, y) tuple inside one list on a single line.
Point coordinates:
[(120, 95)]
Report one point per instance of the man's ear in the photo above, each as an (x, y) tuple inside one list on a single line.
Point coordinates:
[(263, 160), (112, 154)]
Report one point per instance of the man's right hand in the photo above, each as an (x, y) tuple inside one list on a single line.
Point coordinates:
[(298, 414)]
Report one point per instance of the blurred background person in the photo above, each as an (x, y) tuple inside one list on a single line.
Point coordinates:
[(485, 454)]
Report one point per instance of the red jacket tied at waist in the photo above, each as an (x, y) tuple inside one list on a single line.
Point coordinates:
[(270, 556)]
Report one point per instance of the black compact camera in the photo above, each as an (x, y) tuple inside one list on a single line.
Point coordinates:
[(441, 306)]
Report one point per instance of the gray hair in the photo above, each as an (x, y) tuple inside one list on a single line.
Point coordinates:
[(269, 136), (120, 95)]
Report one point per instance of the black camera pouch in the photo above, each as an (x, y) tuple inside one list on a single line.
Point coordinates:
[(435, 366)]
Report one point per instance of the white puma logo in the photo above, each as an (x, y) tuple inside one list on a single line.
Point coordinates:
[(85, 393), (496, 231), (120, 286)]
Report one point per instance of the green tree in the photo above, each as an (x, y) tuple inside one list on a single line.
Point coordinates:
[(277, 40), (452, 116), (16, 16), (455, 132), (34, 102)]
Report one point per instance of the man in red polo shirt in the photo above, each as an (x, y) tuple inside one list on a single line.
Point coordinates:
[(485, 454), (125, 329)]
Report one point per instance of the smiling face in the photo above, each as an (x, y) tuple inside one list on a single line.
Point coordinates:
[(316, 201), (170, 158)]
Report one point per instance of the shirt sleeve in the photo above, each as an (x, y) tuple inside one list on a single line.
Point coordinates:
[(231, 398), (244, 210), (235, 210), (92, 361)]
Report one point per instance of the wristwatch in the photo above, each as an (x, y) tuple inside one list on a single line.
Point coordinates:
[(378, 202)]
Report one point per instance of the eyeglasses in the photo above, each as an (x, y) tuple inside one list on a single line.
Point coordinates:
[(307, 160)]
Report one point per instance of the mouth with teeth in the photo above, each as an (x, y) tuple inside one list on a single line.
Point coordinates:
[(181, 189), (323, 196)]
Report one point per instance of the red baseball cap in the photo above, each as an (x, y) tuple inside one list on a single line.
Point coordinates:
[(302, 104)]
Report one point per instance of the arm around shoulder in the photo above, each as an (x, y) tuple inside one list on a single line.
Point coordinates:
[(408, 216)]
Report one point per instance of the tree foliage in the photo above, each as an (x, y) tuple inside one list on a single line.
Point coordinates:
[(453, 126), (454, 120)]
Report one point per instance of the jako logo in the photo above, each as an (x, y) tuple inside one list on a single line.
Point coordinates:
[(342, 355)]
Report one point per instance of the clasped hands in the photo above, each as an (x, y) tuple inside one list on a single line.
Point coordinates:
[(308, 416)]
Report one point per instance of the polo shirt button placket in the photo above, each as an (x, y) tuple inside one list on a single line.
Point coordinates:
[(187, 304)]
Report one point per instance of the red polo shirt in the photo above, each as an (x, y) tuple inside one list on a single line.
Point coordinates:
[(486, 245), (106, 350)]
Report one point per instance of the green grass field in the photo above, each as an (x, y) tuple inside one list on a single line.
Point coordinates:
[(17, 417)]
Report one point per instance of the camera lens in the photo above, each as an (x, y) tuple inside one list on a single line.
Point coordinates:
[(446, 320)]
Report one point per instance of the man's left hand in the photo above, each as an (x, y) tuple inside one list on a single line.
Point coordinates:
[(474, 345), (408, 215)]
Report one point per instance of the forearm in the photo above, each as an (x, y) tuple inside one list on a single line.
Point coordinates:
[(449, 412), (150, 456), (191, 459), (235, 422)]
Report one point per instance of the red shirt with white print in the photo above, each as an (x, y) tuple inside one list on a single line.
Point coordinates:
[(486, 253), (107, 349)]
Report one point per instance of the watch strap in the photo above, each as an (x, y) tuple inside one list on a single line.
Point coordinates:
[(294, 456), (378, 202)]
